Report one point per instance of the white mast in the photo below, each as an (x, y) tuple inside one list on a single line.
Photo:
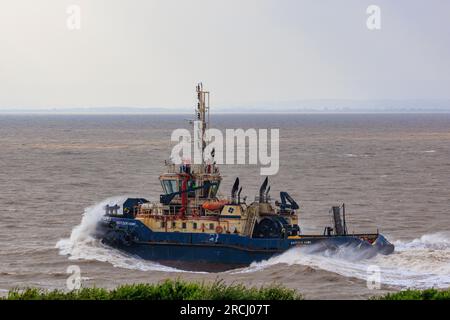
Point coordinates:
[(202, 116)]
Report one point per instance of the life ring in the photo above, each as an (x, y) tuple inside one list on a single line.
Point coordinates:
[(219, 229)]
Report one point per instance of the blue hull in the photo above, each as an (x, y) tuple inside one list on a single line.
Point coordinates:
[(200, 251), (196, 257)]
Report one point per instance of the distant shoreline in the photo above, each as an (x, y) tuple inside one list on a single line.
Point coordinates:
[(87, 113)]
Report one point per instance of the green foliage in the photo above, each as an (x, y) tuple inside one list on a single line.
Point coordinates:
[(428, 294), (167, 290)]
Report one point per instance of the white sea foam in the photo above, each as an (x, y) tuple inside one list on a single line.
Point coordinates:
[(83, 246), (419, 263)]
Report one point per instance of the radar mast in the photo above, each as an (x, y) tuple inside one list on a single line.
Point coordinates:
[(202, 119)]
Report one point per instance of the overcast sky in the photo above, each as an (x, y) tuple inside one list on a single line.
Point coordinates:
[(151, 53)]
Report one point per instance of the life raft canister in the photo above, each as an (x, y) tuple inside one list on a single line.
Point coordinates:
[(214, 205), (219, 229)]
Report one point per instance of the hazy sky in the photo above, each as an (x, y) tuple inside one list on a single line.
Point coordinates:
[(152, 52)]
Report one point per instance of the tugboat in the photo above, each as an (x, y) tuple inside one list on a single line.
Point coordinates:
[(192, 228)]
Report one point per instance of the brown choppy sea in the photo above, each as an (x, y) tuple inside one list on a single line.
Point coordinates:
[(391, 170)]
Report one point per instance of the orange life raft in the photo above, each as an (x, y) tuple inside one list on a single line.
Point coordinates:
[(214, 205)]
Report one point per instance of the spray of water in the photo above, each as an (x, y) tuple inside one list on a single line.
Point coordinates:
[(419, 263), (83, 246)]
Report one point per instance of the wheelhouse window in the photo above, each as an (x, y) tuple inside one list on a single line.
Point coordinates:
[(169, 186), (213, 189), (191, 185), (163, 186)]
